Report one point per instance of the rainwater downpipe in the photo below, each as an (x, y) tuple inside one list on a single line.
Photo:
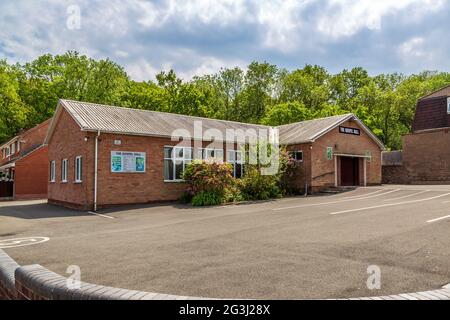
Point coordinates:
[(96, 171)]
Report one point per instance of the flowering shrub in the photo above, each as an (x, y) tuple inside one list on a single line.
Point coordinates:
[(208, 177)]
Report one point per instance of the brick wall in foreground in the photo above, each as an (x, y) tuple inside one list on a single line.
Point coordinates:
[(35, 282)]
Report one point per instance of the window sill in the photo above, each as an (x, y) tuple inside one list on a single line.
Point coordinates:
[(174, 181), (78, 182), (64, 182)]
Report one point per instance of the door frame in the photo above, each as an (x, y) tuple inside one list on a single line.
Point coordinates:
[(336, 155)]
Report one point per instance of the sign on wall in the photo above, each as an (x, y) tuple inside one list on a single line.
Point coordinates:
[(348, 130), (330, 153), (127, 161)]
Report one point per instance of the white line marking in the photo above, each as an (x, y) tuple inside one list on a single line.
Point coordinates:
[(391, 204), (101, 215), (437, 219), (408, 196), (364, 195), (332, 202), (21, 242)]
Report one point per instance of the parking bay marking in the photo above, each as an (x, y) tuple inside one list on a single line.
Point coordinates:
[(333, 202), (390, 204), (438, 219), (407, 196), (101, 215)]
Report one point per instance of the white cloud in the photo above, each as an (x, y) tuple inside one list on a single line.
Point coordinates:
[(344, 18)]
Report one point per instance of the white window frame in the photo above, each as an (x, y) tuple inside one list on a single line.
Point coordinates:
[(204, 153), (174, 158), (233, 161), (296, 151), (8, 151), (448, 105), (64, 167), (13, 148), (78, 169), (52, 171)]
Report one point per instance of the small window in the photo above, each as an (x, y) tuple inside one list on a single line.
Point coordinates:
[(448, 105), (13, 148), (7, 151), (235, 158), (52, 171), (78, 169), (64, 170), (296, 155)]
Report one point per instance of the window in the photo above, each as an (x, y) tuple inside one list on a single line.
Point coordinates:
[(64, 170), (448, 105), (13, 148), (7, 151), (175, 161), (235, 158), (212, 154), (52, 171), (296, 155), (78, 169)]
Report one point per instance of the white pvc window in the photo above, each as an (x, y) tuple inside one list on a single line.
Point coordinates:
[(235, 158), (448, 105), (64, 170), (175, 161), (78, 169), (52, 171), (212, 154), (8, 151), (13, 148)]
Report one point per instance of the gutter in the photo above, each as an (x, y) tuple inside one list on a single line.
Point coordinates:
[(96, 170)]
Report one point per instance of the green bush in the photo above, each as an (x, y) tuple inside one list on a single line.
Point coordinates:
[(208, 176), (205, 198), (256, 186)]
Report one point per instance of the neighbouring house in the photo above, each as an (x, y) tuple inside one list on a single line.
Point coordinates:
[(23, 165), (103, 155), (425, 157)]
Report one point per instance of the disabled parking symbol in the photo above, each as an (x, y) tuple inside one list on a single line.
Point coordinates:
[(21, 242)]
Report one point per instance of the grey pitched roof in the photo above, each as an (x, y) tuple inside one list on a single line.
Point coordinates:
[(309, 130), (109, 119), (94, 117)]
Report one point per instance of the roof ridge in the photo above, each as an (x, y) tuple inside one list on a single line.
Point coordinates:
[(318, 119), (164, 112), (435, 91)]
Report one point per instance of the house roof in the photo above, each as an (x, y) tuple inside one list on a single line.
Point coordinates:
[(108, 119), (442, 92), (311, 130)]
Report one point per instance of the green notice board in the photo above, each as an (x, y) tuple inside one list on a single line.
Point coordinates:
[(127, 162)]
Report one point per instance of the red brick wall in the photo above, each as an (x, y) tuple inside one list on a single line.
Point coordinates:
[(68, 142), (113, 188), (348, 144), (303, 174), (426, 156), (31, 175)]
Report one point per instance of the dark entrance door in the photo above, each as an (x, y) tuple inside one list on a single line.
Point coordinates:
[(349, 171)]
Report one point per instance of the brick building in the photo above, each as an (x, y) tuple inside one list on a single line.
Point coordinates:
[(103, 155), (23, 165), (426, 150)]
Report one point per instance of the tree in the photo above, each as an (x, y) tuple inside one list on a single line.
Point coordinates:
[(285, 113)]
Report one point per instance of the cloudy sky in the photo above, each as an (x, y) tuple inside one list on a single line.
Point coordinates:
[(201, 36)]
